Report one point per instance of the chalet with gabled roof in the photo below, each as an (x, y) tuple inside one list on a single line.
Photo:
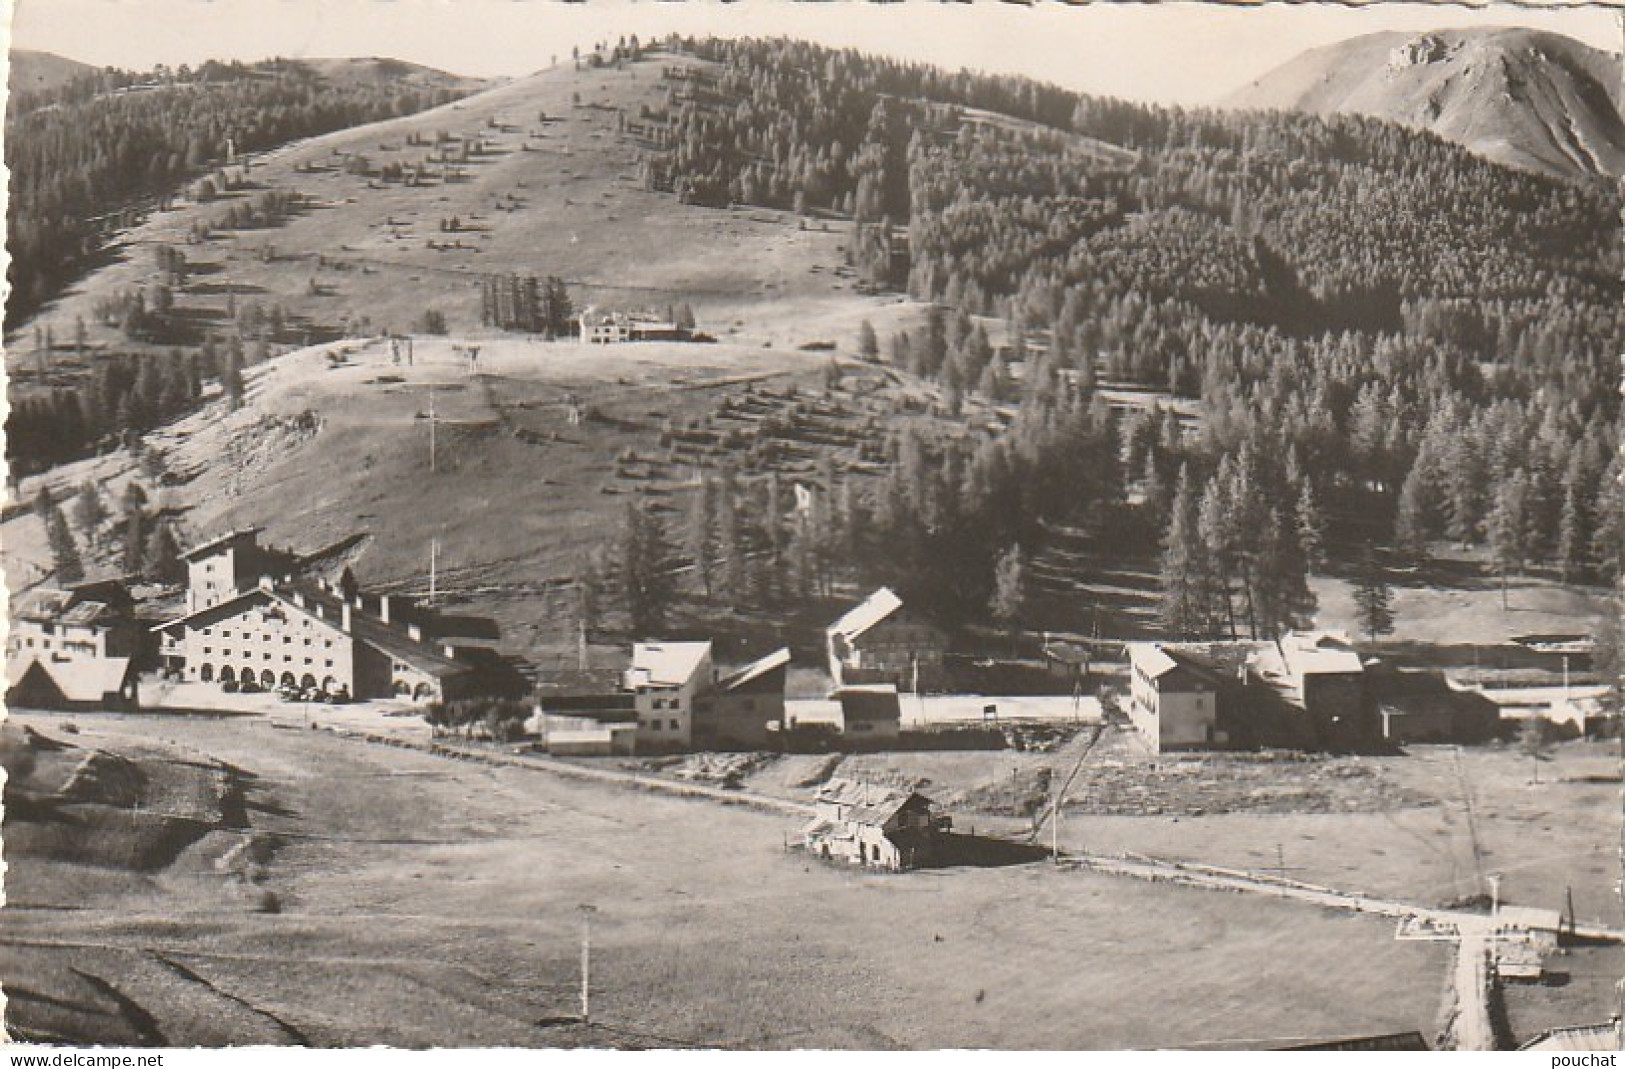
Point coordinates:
[(874, 825), (880, 640)]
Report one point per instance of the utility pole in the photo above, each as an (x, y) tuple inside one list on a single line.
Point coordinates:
[(1055, 824), (434, 561), (586, 963), (431, 430)]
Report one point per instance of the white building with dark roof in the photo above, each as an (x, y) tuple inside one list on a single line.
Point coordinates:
[(674, 682), (880, 641)]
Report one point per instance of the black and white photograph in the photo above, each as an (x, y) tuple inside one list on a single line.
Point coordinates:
[(809, 526)]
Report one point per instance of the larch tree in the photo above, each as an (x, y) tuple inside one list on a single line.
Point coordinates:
[(1009, 600), (1186, 608), (89, 508), (702, 534), (647, 583), (1311, 527), (1508, 528), (162, 556)]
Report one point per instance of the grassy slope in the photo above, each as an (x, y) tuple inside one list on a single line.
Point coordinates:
[(582, 216), (756, 280)]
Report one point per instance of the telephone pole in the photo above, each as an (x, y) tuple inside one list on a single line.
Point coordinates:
[(586, 963), (431, 430)]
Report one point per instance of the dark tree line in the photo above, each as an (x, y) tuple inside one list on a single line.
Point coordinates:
[(524, 302), (120, 398)]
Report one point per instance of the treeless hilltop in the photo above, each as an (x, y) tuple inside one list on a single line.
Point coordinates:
[(1528, 99)]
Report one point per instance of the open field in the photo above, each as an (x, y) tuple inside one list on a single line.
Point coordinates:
[(406, 877), (1542, 838)]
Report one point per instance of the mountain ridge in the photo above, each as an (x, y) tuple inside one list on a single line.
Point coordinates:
[(1529, 99)]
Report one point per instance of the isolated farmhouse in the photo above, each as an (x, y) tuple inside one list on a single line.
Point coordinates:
[(874, 825)]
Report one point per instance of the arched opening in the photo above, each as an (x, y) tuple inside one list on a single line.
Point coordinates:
[(330, 685), (401, 688), (206, 673), (228, 674), (267, 679), (308, 681), (287, 679), (422, 692)]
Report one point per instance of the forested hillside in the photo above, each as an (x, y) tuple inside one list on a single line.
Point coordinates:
[(88, 155), (1255, 346), (1379, 324)]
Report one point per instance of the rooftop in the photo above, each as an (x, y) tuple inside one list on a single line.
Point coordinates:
[(1309, 653), (204, 548), (86, 680), (866, 614), (756, 670), (871, 803), (669, 664)]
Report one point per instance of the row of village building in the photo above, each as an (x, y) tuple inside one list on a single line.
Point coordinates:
[(260, 617)]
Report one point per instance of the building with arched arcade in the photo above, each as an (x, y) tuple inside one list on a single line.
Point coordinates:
[(310, 634)]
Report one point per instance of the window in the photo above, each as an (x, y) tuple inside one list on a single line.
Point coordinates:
[(307, 660), (287, 658), (210, 631), (674, 726), (207, 650), (329, 664)]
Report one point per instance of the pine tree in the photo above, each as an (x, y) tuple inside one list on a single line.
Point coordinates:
[(64, 550), (44, 504), (1213, 518), (1572, 536), (1413, 524), (1311, 527), (868, 344), (769, 580), (1373, 598), (161, 557), (231, 381), (1508, 526), (702, 534), (731, 542), (1185, 581), (135, 541), (646, 569), (89, 509)]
